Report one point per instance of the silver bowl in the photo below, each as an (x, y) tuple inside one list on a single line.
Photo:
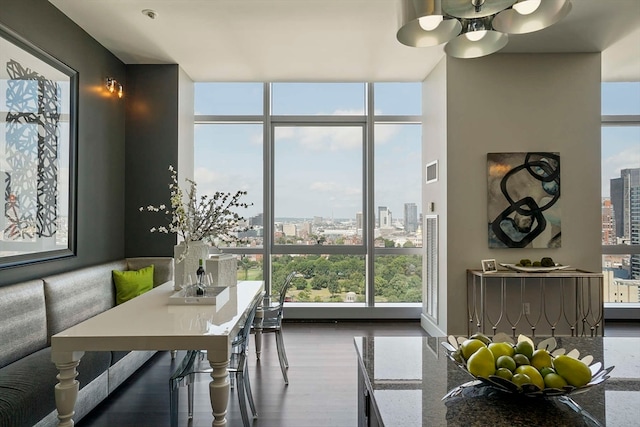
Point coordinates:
[(598, 374)]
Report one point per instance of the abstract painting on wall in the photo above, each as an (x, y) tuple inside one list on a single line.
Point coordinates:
[(37, 153), (524, 200)]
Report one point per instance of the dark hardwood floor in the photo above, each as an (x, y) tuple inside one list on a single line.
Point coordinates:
[(322, 388)]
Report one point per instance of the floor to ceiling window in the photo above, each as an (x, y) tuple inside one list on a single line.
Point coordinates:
[(621, 193), (333, 171)]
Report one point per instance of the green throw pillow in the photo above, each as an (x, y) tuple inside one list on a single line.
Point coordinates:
[(130, 284)]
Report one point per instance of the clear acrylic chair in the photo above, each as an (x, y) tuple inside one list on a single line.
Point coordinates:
[(196, 362), (271, 322)]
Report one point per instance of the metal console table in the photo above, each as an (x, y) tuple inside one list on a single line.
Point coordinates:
[(563, 302)]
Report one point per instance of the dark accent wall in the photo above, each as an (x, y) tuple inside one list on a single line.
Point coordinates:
[(152, 145), (101, 136)]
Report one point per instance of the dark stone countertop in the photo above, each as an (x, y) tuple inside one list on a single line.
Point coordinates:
[(410, 375)]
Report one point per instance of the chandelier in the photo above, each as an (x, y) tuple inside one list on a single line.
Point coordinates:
[(474, 28)]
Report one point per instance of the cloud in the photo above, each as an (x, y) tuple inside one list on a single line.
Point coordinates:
[(205, 177), (625, 159), (385, 133), (209, 182), (323, 138), (351, 112), (334, 138), (324, 186), (256, 138)]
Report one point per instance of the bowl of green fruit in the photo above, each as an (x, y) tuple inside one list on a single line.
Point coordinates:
[(521, 367)]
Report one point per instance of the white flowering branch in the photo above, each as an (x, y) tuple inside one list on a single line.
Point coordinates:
[(200, 218)]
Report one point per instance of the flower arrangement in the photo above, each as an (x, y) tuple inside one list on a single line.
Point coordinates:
[(195, 218)]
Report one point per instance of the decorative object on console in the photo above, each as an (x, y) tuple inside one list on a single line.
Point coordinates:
[(524, 200), (474, 28), (545, 265), (489, 265), (531, 269), (205, 219)]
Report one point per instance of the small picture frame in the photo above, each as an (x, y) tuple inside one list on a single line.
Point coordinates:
[(489, 266)]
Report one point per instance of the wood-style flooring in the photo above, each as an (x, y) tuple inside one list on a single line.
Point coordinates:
[(322, 390)]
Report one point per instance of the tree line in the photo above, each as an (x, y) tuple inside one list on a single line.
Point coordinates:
[(398, 278)]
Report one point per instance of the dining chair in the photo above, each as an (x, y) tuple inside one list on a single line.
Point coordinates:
[(271, 322), (196, 362)]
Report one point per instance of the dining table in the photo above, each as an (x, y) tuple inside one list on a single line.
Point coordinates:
[(154, 321)]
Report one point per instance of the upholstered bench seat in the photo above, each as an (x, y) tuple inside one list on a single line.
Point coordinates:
[(32, 311), (26, 385)]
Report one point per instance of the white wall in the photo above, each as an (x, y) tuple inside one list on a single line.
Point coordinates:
[(434, 147), (510, 103)]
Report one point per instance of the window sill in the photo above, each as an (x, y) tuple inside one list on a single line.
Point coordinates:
[(621, 311)]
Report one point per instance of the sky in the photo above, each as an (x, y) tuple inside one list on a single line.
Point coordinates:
[(620, 144), (319, 169)]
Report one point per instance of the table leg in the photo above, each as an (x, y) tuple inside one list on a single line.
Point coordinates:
[(66, 391), (219, 391), (258, 330)]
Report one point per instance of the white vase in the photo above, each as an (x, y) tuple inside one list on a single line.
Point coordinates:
[(185, 269), (222, 269)]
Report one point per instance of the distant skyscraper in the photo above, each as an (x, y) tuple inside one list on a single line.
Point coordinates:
[(625, 197), (256, 220), (608, 223), (634, 197), (305, 228), (381, 209), (385, 218), (290, 230), (615, 191), (410, 217), (621, 189), (359, 221)]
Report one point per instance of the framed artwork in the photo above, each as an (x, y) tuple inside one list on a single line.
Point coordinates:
[(489, 266), (524, 200), (38, 101)]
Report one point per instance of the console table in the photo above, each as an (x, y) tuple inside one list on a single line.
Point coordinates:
[(402, 380), (562, 302)]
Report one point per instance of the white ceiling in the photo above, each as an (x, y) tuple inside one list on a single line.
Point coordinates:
[(325, 40)]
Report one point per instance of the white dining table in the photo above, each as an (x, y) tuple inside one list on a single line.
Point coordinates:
[(149, 322)]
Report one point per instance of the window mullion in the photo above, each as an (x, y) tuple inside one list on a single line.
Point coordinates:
[(267, 226), (369, 196)]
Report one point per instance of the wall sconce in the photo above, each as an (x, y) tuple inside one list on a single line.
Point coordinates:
[(114, 87)]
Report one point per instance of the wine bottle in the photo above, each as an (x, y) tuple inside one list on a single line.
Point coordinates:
[(200, 275)]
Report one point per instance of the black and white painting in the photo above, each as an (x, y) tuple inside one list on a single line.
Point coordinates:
[(524, 200), (37, 142)]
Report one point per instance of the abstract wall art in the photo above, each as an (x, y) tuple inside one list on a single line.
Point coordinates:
[(524, 200), (37, 146)]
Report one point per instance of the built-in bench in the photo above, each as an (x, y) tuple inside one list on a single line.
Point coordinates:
[(32, 311)]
